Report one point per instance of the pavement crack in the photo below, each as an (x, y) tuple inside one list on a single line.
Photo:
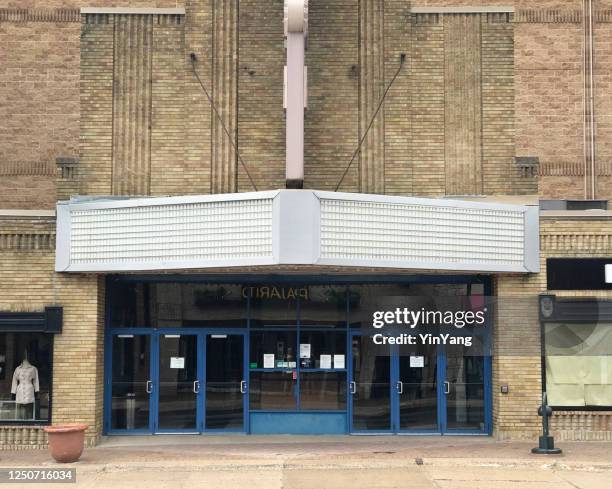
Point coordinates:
[(567, 481)]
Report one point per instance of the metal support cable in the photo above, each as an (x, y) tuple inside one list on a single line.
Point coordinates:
[(194, 60), (382, 100)]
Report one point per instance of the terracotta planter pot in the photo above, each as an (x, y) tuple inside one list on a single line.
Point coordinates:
[(66, 441)]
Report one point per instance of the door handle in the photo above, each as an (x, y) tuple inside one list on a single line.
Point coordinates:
[(196, 386), (353, 387), (400, 387), (243, 387), (149, 387), (446, 387)]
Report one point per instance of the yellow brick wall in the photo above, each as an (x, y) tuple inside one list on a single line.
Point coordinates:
[(517, 333), (28, 283)]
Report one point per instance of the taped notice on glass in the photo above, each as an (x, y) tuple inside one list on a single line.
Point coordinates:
[(338, 361), (417, 362), (177, 362), (268, 360), (325, 361)]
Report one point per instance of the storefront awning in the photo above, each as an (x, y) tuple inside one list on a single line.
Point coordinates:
[(300, 227)]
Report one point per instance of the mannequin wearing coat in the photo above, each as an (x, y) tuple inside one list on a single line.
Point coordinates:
[(25, 385)]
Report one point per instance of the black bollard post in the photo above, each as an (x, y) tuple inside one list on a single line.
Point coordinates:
[(546, 442)]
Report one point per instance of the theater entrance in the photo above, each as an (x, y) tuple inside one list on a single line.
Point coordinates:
[(417, 389), (172, 381)]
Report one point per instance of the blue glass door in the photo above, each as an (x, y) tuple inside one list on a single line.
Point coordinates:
[(370, 386), (466, 394), (226, 390), (177, 380), (129, 399), (417, 389)]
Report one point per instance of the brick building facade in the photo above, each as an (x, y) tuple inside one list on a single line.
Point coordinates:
[(492, 105)]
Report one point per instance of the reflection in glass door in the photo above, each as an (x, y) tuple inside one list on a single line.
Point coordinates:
[(464, 389), (417, 388), (226, 387), (177, 402), (370, 388), (130, 383)]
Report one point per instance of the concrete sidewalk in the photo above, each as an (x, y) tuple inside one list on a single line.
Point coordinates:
[(335, 462)]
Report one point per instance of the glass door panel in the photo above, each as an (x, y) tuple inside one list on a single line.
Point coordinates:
[(371, 386), (464, 389), (130, 384), (225, 382), (418, 388), (178, 382)]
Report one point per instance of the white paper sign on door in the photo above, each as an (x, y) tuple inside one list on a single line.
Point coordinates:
[(338, 361), (417, 362), (177, 362), (325, 361), (268, 360), (304, 350)]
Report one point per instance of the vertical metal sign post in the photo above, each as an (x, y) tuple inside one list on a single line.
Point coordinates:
[(296, 30)]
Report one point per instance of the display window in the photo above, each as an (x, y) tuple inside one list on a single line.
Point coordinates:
[(273, 391), (273, 350), (323, 391), (25, 377), (579, 364)]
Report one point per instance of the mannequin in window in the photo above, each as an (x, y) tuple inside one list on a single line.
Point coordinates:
[(25, 386)]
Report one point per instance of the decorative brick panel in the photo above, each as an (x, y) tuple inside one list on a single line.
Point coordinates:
[(463, 123), (224, 159), (582, 425), (132, 80), (96, 141), (18, 15), (261, 120), (331, 124), (398, 36), (371, 89), (22, 437), (29, 284), (546, 16), (169, 106), (426, 60)]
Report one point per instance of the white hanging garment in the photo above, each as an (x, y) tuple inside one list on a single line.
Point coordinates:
[(25, 384)]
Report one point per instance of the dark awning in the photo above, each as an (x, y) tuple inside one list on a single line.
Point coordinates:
[(48, 321)]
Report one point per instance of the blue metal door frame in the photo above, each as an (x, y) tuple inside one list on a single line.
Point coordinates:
[(301, 279), (350, 336), (154, 335), (245, 376), (108, 377), (155, 352), (441, 396), (440, 358), (488, 393)]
